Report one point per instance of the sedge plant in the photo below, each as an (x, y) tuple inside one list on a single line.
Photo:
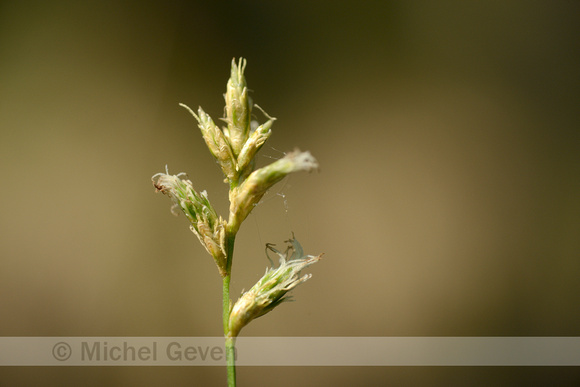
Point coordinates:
[(234, 147)]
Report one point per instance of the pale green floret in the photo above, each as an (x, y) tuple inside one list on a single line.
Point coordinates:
[(238, 107), (271, 290), (217, 143), (257, 138)]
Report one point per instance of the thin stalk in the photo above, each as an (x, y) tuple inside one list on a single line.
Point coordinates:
[(226, 303), (230, 341), (231, 359)]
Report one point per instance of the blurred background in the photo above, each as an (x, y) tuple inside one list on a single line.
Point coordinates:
[(447, 203)]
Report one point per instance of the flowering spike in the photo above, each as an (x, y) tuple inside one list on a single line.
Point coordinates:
[(271, 290), (234, 147), (205, 223), (248, 194)]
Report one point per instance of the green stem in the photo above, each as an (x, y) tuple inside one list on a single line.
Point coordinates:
[(226, 303), (231, 359), (230, 341)]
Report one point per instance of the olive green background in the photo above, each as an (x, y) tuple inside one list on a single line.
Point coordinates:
[(447, 203)]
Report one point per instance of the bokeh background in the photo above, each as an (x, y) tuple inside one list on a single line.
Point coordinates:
[(447, 203)]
